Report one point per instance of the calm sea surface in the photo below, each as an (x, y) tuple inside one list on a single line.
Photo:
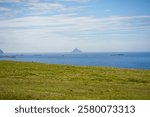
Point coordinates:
[(120, 60)]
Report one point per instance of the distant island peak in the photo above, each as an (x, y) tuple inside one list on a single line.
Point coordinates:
[(76, 50)]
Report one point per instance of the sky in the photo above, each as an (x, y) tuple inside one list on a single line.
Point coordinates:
[(62, 25)]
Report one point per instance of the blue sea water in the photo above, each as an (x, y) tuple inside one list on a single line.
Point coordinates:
[(138, 60)]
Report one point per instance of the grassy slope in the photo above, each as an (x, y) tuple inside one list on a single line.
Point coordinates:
[(23, 80)]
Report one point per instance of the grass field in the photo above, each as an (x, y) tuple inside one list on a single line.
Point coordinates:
[(29, 80)]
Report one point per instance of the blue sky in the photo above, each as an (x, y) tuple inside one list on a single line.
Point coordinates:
[(62, 25)]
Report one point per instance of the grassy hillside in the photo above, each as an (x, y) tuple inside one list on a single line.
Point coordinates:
[(28, 80)]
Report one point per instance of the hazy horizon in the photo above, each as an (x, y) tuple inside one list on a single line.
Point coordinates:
[(48, 26), (71, 52)]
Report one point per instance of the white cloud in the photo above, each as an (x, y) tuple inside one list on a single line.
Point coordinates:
[(18, 1), (45, 6), (51, 33), (5, 9), (55, 7), (11, 1), (37, 7), (57, 23), (79, 1), (33, 1), (108, 10)]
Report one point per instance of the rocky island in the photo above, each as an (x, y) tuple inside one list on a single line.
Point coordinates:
[(76, 50)]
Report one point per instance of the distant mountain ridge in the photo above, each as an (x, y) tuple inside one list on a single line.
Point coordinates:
[(1, 52), (76, 50)]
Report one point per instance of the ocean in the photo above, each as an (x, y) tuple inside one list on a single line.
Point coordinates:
[(134, 60)]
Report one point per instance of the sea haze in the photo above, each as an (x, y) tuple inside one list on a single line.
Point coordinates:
[(138, 60)]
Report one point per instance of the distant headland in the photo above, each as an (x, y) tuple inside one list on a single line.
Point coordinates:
[(1, 52)]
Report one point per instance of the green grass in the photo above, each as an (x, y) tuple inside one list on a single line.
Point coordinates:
[(29, 80)]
